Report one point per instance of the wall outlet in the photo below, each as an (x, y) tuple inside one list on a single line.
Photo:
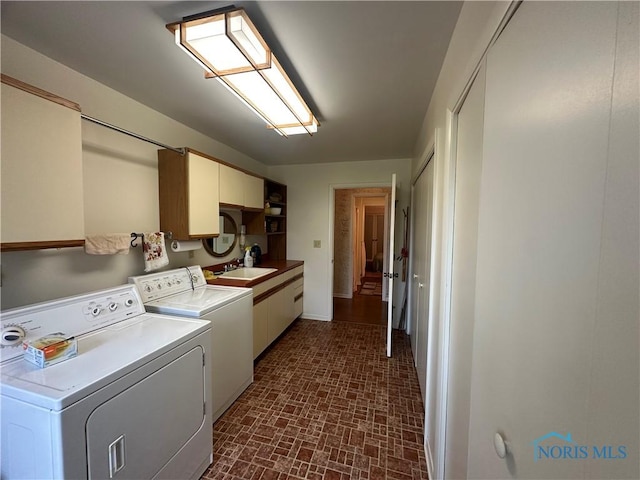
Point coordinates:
[(191, 254), (316, 244)]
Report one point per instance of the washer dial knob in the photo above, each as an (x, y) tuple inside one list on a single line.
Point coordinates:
[(12, 335)]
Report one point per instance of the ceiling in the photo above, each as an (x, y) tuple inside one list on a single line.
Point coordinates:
[(366, 69)]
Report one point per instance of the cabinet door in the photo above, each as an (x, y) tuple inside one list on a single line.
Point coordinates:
[(42, 194), (253, 192), (277, 314), (260, 327), (298, 288), (203, 206), (231, 186)]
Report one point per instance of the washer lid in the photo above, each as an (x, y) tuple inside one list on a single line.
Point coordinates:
[(198, 302), (103, 357)]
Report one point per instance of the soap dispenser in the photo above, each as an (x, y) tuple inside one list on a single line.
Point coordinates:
[(248, 259), (256, 253)]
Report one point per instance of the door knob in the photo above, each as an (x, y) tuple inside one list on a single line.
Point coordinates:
[(420, 285), (415, 276), (501, 446)]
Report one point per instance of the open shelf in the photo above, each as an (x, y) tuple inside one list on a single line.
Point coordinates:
[(260, 223)]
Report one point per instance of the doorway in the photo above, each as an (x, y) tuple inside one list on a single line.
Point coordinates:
[(359, 252), (369, 244)]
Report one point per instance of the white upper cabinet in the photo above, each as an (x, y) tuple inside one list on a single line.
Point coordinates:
[(240, 189), (203, 204), (188, 190), (231, 186), (253, 192), (41, 175)]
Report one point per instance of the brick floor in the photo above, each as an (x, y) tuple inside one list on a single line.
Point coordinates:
[(326, 403)]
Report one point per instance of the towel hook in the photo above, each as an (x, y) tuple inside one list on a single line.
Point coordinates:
[(134, 237)]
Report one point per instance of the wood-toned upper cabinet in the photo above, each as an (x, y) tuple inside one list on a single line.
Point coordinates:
[(231, 186), (41, 175), (253, 192), (188, 190)]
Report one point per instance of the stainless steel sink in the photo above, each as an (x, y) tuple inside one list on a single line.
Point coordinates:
[(248, 273)]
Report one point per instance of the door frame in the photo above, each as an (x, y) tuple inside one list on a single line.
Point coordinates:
[(332, 217), (385, 241)]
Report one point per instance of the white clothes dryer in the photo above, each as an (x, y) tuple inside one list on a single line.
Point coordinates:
[(133, 404), (185, 292)]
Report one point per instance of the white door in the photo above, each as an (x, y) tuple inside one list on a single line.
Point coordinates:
[(468, 168), (414, 265), (390, 274), (555, 357), (420, 268)]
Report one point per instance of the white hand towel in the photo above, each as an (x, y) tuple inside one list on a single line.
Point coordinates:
[(107, 244), (155, 252)]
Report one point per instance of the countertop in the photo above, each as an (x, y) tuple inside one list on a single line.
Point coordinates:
[(281, 265)]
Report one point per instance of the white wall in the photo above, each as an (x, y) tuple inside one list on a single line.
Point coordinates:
[(121, 183), (310, 212)]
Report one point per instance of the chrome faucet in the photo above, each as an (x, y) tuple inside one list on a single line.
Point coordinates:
[(233, 265)]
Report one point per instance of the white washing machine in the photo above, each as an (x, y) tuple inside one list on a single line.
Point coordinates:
[(133, 404), (185, 292)]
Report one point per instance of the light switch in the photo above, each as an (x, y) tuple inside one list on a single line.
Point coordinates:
[(316, 244)]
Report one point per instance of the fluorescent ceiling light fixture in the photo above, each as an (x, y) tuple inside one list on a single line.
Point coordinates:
[(229, 48)]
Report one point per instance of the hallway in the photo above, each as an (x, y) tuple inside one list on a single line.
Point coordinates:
[(365, 306), (326, 403)]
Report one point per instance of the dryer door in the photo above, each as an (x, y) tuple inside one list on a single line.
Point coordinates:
[(136, 433)]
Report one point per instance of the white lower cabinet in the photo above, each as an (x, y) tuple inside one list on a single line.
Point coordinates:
[(260, 327), (278, 314), (298, 287), (279, 304)]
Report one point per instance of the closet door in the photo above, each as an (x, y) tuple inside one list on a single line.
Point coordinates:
[(463, 279), (421, 266), (558, 212)]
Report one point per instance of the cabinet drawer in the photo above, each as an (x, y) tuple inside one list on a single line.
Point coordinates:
[(267, 285)]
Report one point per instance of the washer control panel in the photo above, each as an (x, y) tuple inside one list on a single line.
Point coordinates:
[(73, 316), (163, 284)]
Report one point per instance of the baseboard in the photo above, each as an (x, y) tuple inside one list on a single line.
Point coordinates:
[(342, 295), (315, 317)]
